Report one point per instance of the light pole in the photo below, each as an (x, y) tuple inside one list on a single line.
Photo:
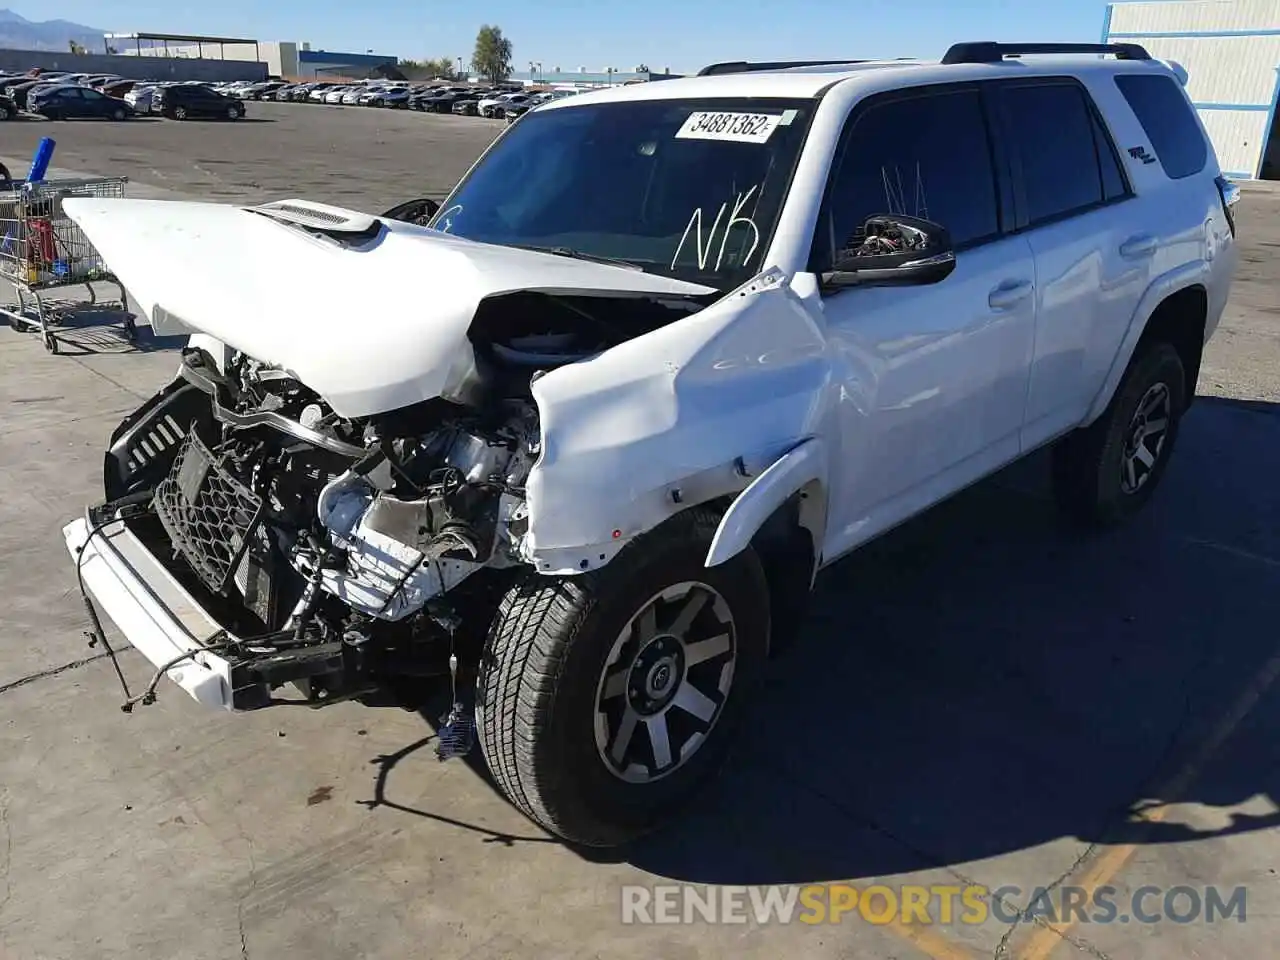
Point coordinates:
[(459, 68), (608, 72)]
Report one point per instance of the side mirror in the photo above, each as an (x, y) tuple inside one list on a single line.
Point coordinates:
[(894, 249), (418, 211)]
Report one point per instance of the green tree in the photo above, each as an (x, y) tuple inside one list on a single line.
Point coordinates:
[(440, 67), (76, 48), (643, 68), (492, 58)]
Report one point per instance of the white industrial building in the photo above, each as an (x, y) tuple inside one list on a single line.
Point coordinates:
[(1231, 50), (283, 58)]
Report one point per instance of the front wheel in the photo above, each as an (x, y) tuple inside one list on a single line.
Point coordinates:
[(118, 114), (233, 112), (179, 113), (1106, 472), (605, 700)]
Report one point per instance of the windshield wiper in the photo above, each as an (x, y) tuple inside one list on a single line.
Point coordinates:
[(579, 255)]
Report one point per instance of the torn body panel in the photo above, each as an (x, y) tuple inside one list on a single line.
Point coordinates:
[(683, 415)]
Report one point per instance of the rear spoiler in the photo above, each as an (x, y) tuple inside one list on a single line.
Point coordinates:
[(1178, 70)]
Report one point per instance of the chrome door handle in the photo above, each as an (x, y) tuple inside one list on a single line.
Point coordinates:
[(1009, 293), (1136, 248)]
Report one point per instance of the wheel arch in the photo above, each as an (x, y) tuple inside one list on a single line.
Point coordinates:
[(1174, 309)]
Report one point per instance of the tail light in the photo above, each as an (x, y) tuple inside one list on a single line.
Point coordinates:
[(1229, 194)]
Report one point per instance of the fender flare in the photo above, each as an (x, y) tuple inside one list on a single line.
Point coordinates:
[(802, 465), (1164, 286)]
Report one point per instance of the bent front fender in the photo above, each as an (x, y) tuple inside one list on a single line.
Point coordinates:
[(796, 469)]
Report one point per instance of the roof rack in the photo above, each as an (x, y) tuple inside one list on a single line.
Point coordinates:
[(989, 52), (742, 66)]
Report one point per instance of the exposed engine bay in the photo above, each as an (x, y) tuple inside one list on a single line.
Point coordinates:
[(333, 548)]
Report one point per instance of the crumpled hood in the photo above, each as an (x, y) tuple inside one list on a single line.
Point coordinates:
[(370, 325)]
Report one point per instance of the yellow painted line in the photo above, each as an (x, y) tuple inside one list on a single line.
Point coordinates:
[(1045, 938), (929, 943)]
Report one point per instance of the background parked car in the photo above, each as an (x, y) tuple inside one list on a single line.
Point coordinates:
[(497, 106), (117, 88), (71, 102), (397, 98), (21, 91), (185, 101), (256, 91), (142, 98)]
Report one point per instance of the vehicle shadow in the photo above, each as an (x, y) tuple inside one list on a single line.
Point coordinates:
[(984, 681)]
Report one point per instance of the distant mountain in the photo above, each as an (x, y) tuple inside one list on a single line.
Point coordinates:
[(19, 33)]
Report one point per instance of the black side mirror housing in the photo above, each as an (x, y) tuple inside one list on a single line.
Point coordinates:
[(418, 211), (894, 250)]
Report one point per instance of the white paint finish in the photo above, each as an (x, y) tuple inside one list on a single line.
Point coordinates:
[(1238, 137), (1195, 16), (670, 411), (1193, 240), (804, 466), (1087, 293), (153, 611), (911, 392), (927, 380), (352, 323)]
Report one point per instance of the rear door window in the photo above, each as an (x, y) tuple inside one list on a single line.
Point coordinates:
[(1166, 117), (1053, 138)]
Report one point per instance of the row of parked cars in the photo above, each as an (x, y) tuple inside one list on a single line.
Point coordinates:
[(434, 97), (58, 95)]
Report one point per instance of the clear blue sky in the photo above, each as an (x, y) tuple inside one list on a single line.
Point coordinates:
[(681, 34)]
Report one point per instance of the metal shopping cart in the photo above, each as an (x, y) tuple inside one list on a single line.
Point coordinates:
[(42, 249)]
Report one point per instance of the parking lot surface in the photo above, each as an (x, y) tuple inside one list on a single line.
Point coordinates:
[(980, 697)]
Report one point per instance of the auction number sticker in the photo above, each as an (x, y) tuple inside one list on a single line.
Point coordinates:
[(741, 127)]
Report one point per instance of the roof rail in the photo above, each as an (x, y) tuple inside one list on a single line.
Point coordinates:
[(742, 66), (989, 52)]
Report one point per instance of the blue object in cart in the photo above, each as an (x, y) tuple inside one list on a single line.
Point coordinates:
[(40, 162)]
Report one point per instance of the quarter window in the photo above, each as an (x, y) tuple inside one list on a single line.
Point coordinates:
[(924, 156), (1166, 117), (1052, 132)]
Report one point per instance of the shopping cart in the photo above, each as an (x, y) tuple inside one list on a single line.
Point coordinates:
[(42, 249)]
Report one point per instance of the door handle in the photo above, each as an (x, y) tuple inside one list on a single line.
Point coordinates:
[(1008, 293), (1136, 248)]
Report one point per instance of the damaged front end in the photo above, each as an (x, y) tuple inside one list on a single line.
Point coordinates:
[(324, 551)]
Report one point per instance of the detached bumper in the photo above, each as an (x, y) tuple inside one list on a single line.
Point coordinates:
[(153, 611)]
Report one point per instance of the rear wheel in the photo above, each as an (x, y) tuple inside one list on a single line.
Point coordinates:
[(604, 701), (1106, 472)]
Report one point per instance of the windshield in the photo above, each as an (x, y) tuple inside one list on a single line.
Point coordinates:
[(685, 188)]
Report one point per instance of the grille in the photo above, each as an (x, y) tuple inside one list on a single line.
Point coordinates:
[(210, 516)]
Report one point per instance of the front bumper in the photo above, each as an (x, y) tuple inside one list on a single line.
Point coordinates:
[(154, 612)]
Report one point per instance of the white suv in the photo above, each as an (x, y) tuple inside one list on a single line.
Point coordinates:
[(665, 352)]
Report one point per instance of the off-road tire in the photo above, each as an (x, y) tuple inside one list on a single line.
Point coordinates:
[(1087, 464), (536, 691)]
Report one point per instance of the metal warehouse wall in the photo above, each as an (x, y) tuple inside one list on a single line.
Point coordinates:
[(281, 58), (1231, 49)]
